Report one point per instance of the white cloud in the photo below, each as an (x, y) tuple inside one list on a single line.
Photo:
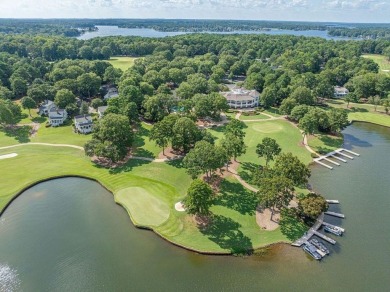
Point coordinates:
[(357, 4)]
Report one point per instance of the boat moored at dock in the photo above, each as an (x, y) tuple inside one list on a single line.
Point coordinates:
[(334, 230), (320, 246), (311, 250)]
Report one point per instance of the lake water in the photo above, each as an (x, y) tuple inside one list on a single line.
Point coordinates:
[(105, 31), (69, 235)]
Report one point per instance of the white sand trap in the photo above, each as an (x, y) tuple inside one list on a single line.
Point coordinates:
[(179, 207), (386, 70), (8, 156)]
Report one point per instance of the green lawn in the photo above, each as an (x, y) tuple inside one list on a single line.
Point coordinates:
[(148, 191), (253, 117), (382, 61), (122, 63), (143, 146), (287, 136), (363, 112), (323, 144)]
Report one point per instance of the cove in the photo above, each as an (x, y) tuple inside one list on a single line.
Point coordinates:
[(68, 235)]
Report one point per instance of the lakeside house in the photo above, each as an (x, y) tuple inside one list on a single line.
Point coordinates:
[(239, 97), (83, 124), (340, 91), (101, 110), (111, 92), (57, 116), (45, 107)]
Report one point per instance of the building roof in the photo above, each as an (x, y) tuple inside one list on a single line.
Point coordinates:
[(340, 89), (57, 113), (83, 120), (102, 109), (240, 94)]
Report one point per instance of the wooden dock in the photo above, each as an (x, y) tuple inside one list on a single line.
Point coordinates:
[(335, 214), (310, 232), (335, 155), (332, 201), (333, 226), (324, 237)]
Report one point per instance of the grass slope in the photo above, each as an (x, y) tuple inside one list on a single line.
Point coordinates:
[(122, 63), (382, 61)]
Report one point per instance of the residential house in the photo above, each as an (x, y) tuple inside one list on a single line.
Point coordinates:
[(83, 124), (101, 110), (57, 116), (112, 92), (239, 97), (45, 107), (340, 91)]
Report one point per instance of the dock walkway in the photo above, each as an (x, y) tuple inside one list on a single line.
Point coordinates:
[(335, 214), (335, 155)]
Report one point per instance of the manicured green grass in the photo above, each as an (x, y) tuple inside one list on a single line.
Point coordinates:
[(253, 117), (382, 61), (60, 135), (143, 146), (287, 136), (148, 191), (323, 144), (273, 111), (122, 63), (363, 112)]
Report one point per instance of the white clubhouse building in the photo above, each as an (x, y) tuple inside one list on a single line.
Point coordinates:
[(239, 97)]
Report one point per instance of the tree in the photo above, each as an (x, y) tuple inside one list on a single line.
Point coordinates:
[(201, 159), (63, 98), (234, 145), (111, 138), (303, 95), (375, 101), (254, 81), (19, 86), (84, 108), (5, 93), (162, 131), (312, 205), (199, 198), (88, 84), (185, 134), (158, 106), (287, 106), (97, 102), (308, 124), (348, 99), (112, 75), (276, 193), (298, 112), (236, 127), (386, 104), (338, 119), (269, 96), (291, 167), (28, 103), (268, 149), (10, 113)]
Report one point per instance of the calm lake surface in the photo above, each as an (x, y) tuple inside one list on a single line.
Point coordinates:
[(69, 235), (105, 31)]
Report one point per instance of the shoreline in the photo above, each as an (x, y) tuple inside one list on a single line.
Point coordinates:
[(192, 249)]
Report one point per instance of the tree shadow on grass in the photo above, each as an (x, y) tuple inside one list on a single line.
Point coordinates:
[(39, 120), (359, 110), (20, 133), (128, 166), (178, 163), (225, 232), (234, 196), (291, 226), (141, 152), (329, 143), (247, 169)]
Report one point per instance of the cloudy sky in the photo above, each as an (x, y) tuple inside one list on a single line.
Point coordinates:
[(306, 10)]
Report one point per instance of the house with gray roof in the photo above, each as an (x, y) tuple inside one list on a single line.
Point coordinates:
[(112, 92), (340, 91), (239, 97), (83, 124), (101, 110), (45, 107), (57, 116)]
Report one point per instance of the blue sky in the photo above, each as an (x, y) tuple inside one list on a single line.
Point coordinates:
[(305, 10)]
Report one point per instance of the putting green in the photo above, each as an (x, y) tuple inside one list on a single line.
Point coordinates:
[(136, 200), (267, 127)]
